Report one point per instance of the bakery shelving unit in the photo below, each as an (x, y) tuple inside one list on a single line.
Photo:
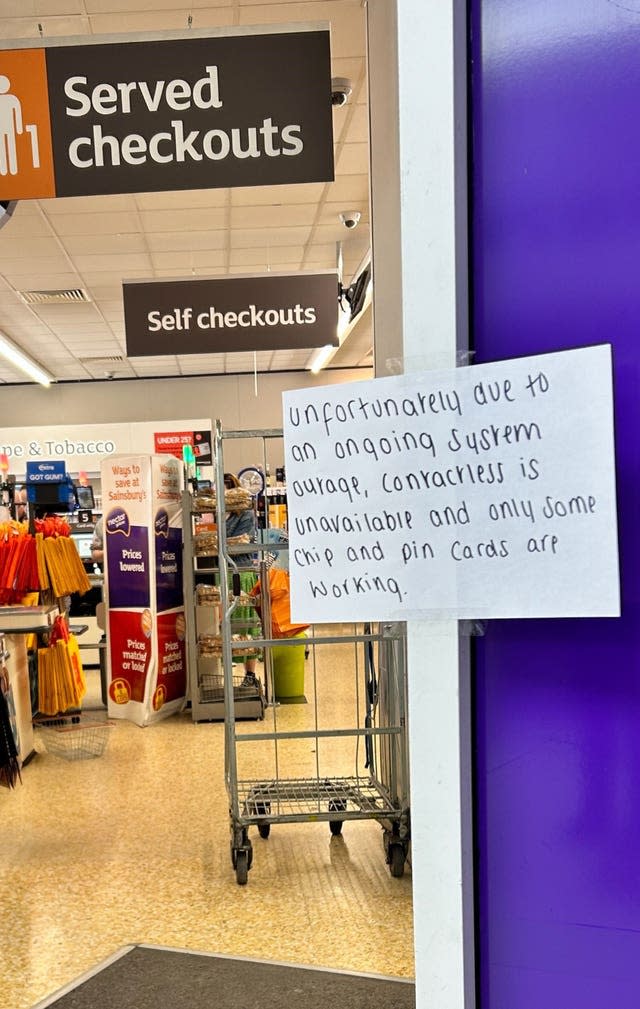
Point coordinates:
[(202, 601), (320, 795)]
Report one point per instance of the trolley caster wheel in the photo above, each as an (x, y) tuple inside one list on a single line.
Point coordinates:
[(396, 858), (264, 829), (242, 867), (336, 806)]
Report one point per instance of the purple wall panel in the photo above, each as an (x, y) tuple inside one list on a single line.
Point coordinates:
[(556, 264)]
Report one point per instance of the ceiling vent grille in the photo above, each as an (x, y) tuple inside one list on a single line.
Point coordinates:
[(71, 295), (113, 359)]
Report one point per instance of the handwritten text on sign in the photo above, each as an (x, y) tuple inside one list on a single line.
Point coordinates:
[(480, 492)]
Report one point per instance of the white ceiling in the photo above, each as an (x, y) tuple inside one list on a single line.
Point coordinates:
[(94, 242)]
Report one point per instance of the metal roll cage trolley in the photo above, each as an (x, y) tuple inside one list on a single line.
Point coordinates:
[(283, 799)]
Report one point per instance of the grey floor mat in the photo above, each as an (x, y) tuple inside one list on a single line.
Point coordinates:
[(152, 978)]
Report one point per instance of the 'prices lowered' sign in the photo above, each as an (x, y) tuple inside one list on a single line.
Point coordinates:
[(197, 112)]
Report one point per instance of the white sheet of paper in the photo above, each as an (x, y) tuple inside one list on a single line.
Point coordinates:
[(480, 492)]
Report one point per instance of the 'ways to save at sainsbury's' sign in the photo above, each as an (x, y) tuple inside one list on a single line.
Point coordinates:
[(196, 112)]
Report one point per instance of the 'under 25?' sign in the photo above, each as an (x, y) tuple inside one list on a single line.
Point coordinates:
[(168, 113)]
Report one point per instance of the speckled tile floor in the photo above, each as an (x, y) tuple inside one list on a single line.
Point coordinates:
[(133, 847)]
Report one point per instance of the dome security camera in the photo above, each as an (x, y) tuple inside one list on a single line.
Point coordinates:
[(350, 218), (341, 89)]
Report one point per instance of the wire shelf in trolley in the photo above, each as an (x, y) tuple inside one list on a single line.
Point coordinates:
[(378, 790)]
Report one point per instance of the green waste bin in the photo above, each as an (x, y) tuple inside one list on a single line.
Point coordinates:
[(288, 672)]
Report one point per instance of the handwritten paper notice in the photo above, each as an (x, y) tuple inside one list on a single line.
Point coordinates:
[(486, 491)]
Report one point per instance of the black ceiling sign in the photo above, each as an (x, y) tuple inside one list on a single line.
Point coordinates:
[(203, 111), (227, 314)]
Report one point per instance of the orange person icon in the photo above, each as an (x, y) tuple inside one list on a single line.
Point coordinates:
[(10, 126), (26, 149)]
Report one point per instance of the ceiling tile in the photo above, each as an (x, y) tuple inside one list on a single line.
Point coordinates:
[(187, 198), (24, 227), (349, 189), (309, 192), (203, 18), (257, 257), (79, 334), (199, 364), (347, 21), (168, 370), (59, 27), (46, 282), (8, 297), (119, 204), (353, 159), (185, 241), (25, 208), (151, 361), (352, 68), (147, 20), (121, 223), (102, 277), (200, 272), (323, 256), (82, 245), (337, 232), (281, 268), (106, 293), (65, 314), (183, 262), (294, 215), (24, 267), (27, 248), (126, 263), (268, 237), (116, 316), (216, 271), (100, 6), (358, 126), (184, 220)]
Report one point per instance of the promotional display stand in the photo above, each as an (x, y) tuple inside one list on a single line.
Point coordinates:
[(143, 583)]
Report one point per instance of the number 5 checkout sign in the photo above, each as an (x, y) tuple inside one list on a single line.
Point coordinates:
[(166, 113)]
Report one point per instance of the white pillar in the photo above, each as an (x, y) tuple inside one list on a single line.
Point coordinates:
[(417, 93)]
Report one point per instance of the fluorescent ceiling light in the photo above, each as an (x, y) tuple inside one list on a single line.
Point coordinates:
[(320, 358), (17, 357)]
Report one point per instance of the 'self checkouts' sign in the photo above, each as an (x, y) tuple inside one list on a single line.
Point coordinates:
[(217, 314), (198, 111), (480, 492)]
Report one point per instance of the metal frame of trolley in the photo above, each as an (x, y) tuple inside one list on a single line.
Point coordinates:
[(334, 799)]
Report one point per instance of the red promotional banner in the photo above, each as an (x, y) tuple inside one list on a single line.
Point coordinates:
[(171, 681), (130, 649)]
